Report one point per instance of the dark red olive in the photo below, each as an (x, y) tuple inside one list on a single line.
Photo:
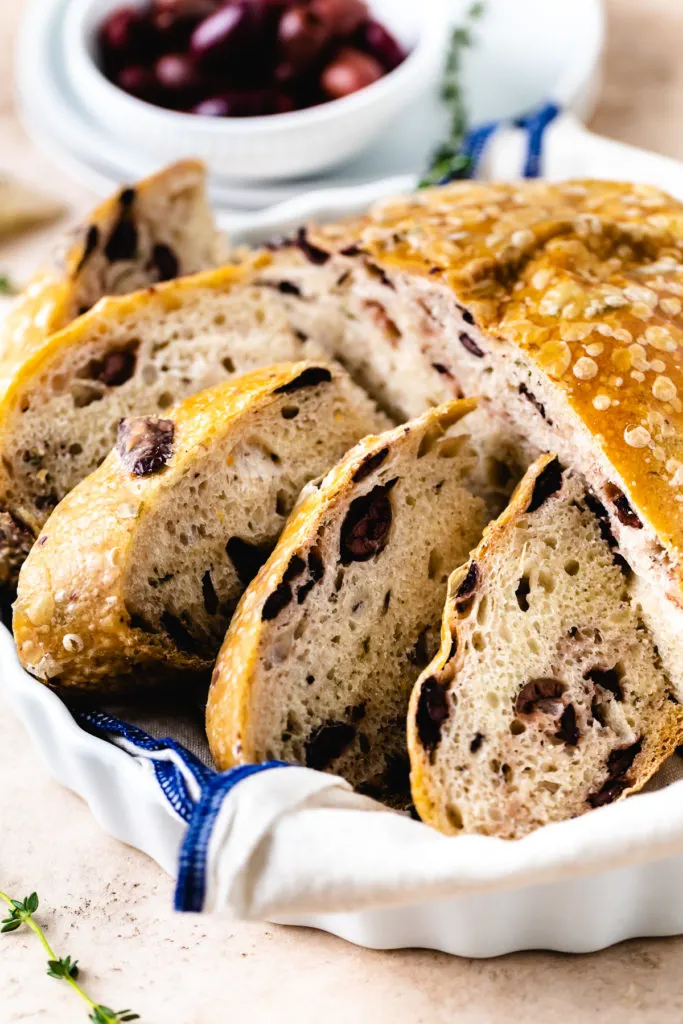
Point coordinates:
[(139, 81), (350, 71), (176, 72), (233, 31), (341, 17), (242, 103), (175, 20), (378, 41), (301, 38), (125, 36)]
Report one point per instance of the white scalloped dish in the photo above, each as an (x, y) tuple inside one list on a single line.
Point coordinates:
[(577, 886)]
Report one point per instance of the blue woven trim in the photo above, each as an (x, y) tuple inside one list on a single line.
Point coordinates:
[(536, 122), (474, 144), (169, 775), (190, 891)]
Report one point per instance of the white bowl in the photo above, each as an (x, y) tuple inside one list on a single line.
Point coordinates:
[(280, 146)]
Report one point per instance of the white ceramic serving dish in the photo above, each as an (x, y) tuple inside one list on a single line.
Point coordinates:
[(526, 51), (576, 886), (303, 142)]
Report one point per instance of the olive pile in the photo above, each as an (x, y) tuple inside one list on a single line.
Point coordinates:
[(244, 58)]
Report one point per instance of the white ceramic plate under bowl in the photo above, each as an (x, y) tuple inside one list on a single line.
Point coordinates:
[(389, 882), (526, 52)]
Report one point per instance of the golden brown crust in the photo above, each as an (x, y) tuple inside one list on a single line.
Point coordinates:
[(71, 623), (429, 805), (229, 711), (49, 301), (586, 278)]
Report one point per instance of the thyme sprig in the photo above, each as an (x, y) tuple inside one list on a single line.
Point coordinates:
[(7, 285), (449, 162), (62, 968)]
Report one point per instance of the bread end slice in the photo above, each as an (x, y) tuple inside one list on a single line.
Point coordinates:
[(547, 697)]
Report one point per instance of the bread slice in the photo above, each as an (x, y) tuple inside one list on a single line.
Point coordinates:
[(160, 228), (548, 696), (136, 354), (139, 569), (320, 658)]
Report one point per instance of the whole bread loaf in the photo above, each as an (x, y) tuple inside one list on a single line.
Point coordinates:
[(139, 569), (548, 696)]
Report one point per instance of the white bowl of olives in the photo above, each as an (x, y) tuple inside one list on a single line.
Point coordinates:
[(260, 89)]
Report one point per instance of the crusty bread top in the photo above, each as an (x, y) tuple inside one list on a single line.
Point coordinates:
[(46, 305), (586, 277)]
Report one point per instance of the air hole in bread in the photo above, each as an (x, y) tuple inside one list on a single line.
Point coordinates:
[(571, 567), (165, 400), (290, 412)]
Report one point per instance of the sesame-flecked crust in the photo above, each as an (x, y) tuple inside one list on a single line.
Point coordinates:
[(586, 278), (47, 303), (429, 802), (83, 554), (230, 708)]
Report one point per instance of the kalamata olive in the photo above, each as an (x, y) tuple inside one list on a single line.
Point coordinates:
[(125, 34), (175, 20), (234, 31), (176, 72), (138, 81), (350, 71), (342, 17), (301, 38), (378, 41), (239, 103)]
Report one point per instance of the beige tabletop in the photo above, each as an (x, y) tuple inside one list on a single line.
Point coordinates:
[(111, 907)]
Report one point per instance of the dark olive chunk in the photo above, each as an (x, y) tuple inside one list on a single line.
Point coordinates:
[(623, 507), (308, 379), (312, 252), (123, 240), (369, 465), (531, 397), (469, 584), (470, 345), (618, 764), (522, 593), (432, 712), (476, 742), (365, 530), (547, 483), (145, 445)]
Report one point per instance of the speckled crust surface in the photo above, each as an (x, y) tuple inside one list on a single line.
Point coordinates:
[(430, 801), (51, 301), (71, 622), (586, 277), (230, 709)]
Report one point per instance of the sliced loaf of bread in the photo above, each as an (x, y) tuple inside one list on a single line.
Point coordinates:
[(320, 658), (160, 228), (139, 569), (548, 696)]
